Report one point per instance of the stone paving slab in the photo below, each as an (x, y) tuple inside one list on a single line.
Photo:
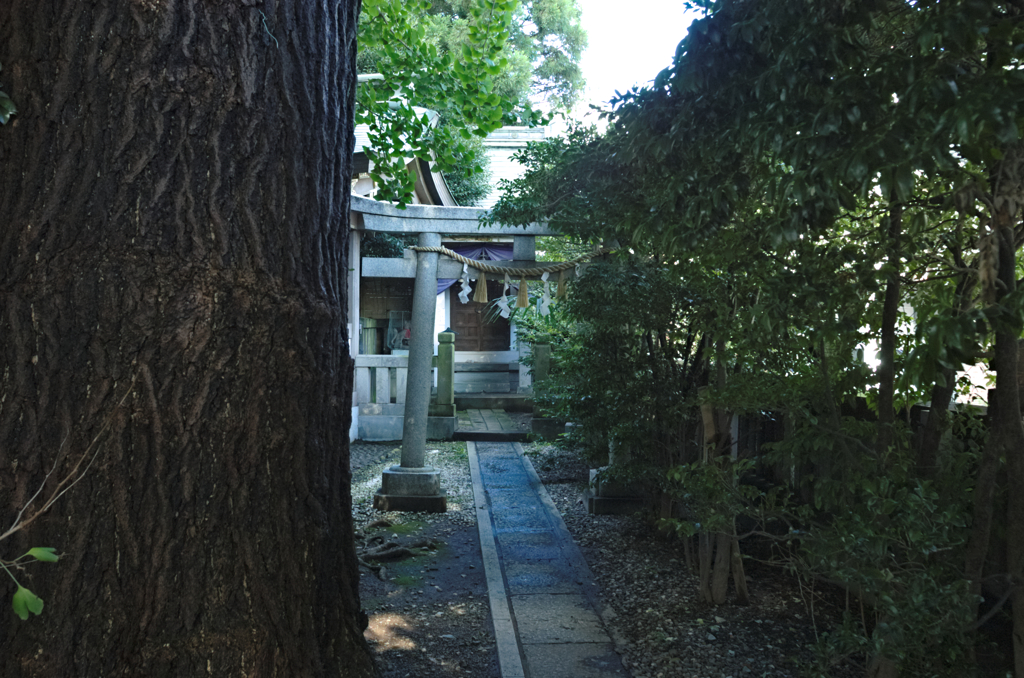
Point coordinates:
[(504, 478), (486, 420), (518, 517), (514, 540), (512, 496), (499, 449), (581, 660), (539, 576), (498, 420), (530, 551), (487, 424), (554, 618), (500, 465)]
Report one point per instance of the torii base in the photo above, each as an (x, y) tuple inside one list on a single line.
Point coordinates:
[(412, 490)]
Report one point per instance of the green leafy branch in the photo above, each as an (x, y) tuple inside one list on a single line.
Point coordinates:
[(419, 80), (24, 600)]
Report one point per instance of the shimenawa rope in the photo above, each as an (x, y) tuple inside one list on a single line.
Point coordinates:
[(522, 300), (513, 271)]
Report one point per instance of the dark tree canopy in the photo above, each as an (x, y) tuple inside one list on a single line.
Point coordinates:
[(816, 175)]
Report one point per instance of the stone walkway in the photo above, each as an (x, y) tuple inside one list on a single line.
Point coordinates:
[(542, 595)]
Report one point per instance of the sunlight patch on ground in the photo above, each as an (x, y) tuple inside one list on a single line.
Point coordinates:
[(390, 630)]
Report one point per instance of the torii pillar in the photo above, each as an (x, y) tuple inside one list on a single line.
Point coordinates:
[(412, 486)]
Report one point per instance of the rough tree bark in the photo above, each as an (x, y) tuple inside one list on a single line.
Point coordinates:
[(714, 579), (935, 426), (1007, 432), (707, 540), (880, 666), (174, 197)]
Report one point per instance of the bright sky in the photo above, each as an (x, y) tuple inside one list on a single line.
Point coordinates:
[(630, 42)]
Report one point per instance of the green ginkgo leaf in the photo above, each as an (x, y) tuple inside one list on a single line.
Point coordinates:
[(46, 554), (25, 601)]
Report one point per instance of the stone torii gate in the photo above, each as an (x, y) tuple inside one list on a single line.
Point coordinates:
[(413, 486)]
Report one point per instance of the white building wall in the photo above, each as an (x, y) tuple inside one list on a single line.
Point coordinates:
[(501, 145)]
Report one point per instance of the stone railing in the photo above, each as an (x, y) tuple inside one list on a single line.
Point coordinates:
[(381, 378), (380, 394)]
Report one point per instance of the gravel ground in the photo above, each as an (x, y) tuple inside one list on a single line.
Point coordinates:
[(429, 615), (660, 625)]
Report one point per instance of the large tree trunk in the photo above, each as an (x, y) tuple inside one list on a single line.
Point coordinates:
[(880, 666), (174, 197), (714, 579), (983, 510), (935, 426), (707, 540), (1007, 432), (720, 572)]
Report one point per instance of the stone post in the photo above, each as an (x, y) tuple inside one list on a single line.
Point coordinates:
[(442, 423), (545, 428), (412, 486), (446, 371), (541, 362), (613, 497), (617, 454), (525, 374)]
